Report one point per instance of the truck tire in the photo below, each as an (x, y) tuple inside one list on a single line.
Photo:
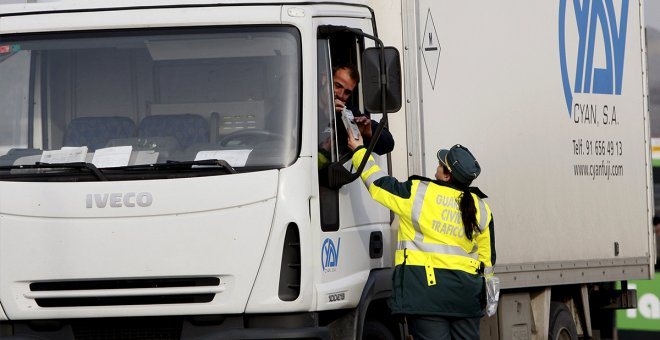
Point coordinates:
[(562, 326), (374, 330)]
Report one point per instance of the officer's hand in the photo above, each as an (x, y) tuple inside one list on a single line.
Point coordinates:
[(352, 142)]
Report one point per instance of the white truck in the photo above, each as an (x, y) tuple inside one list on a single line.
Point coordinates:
[(159, 162)]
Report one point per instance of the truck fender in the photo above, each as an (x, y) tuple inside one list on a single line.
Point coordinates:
[(378, 286)]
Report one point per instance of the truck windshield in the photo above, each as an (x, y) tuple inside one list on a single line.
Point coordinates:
[(121, 100)]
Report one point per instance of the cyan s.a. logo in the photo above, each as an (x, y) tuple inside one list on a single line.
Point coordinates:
[(330, 255), (599, 54)]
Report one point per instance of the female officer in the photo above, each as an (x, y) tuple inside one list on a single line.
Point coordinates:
[(445, 243)]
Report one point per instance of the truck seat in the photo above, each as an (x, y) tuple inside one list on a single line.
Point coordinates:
[(186, 128), (95, 132)]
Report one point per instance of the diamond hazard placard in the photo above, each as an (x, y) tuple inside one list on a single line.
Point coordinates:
[(430, 49)]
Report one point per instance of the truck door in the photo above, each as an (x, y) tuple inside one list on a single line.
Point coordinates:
[(355, 229)]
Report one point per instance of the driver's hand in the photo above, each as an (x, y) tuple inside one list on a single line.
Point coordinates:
[(339, 105), (364, 124)]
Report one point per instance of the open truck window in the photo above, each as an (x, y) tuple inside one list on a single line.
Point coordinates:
[(340, 49), (131, 99)]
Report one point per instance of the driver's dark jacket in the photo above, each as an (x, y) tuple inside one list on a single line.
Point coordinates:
[(384, 144)]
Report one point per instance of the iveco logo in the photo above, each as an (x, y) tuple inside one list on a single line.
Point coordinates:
[(598, 54), (118, 200)]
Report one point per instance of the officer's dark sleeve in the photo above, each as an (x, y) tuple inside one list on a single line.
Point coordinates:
[(385, 143), (491, 229)]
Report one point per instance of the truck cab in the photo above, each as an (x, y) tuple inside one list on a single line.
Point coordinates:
[(159, 168)]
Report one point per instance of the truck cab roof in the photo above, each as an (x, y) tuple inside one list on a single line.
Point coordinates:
[(17, 7)]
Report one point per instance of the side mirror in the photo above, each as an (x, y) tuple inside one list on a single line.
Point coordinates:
[(371, 84)]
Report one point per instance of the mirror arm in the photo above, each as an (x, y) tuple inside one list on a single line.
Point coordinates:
[(383, 121)]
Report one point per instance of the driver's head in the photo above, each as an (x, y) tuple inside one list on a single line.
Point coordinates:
[(345, 78)]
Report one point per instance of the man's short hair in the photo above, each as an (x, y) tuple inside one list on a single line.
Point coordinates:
[(352, 71)]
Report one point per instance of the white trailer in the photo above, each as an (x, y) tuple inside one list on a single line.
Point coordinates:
[(552, 98), (160, 172)]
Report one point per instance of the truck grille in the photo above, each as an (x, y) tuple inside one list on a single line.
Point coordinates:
[(125, 292)]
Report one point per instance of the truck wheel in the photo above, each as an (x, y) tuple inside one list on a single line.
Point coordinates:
[(374, 330), (562, 326)]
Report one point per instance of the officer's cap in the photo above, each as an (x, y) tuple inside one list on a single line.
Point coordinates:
[(460, 162)]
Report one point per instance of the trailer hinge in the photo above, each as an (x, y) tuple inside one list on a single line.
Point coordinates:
[(615, 299)]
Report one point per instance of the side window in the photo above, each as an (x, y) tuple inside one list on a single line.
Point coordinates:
[(15, 70), (326, 118), (344, 58), (338, 77), (327, 138)]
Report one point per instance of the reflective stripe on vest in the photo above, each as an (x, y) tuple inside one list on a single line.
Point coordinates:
[(470, 262), (437, 261), (374, 176), (483, 215), (441, 249), (418, 202)]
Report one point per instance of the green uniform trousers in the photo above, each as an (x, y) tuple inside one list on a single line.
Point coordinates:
[(442, 328)]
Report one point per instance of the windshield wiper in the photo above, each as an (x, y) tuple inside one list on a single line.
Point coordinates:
[(96, 172), (74, 165), (186, 165)]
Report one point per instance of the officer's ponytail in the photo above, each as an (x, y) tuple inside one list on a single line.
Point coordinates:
[(468, 214), (464, 169)]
